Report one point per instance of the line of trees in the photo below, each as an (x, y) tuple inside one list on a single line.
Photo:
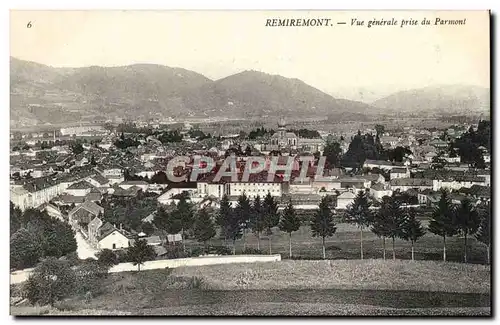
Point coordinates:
[(391, 221)]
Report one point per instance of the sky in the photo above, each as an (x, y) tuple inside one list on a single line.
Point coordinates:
[(354, 62)]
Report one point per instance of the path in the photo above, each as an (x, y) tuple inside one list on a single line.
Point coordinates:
[(84, 250)]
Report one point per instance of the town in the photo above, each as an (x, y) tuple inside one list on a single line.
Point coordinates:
[(232, 169), (116, 181), (122, 195)]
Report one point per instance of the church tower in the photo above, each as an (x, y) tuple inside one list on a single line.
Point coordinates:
[(282, 127)]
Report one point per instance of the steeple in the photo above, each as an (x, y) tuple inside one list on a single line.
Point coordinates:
[(282, 123)]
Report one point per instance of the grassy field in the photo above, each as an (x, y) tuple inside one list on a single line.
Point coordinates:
[(345, 244), (368, 287)]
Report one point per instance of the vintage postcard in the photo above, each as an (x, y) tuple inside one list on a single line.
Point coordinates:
[(250, 163)]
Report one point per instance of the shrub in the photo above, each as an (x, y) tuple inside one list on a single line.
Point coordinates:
[(220, 250), (107, 258), (197, 251), (122, 256), (51, 281), (25, 249), (175, 251), (89, 277)]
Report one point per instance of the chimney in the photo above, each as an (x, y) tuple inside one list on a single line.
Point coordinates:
[(121, 226)]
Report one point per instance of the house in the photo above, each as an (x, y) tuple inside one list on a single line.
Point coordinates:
[(52, 211), (143, 185), (345, 199), (79, 162), (99, 181), (81, 188), (400, 173), (404, 184), (457, 182), (174, 238), (129, 192), (84, 213), (106, 236), (373, 178), (389, 141), (67, 199), (153, 240), (477, 191), (357, 183), (381, 164), (378, 191), (166, 197), (94, 195), (257, 184)]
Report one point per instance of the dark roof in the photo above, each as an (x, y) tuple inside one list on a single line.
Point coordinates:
[(134, 183), (90, 206), (106, 230), (153, 240), (131, 191), (100, 179), (93, 196), (80, 185), (252, 178), (67, 198)]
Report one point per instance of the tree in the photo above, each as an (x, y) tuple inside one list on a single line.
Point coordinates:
[(289, 222), (223, 216), (412, 229), (380, 129), (15, 218), (184, 213), (60, 238), (484, 233), (332, 152), (204, 228), (147, 228), (167, 221), (242, 211), (271, 216), (442, 221), (25, 249), (467, 221), (380, 222), (50, 281), (140, 252), (107, 258), (394, 220), (47, 237), (322, 225), (233, 228), (257, 219), (248, 151), (359, 213), (76, 148)]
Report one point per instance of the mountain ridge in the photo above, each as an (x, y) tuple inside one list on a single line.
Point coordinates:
[(40, 93)]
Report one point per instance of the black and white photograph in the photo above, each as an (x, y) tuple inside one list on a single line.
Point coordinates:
[(250, 163)]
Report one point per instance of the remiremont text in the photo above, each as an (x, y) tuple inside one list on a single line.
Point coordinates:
[(298, 22)]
